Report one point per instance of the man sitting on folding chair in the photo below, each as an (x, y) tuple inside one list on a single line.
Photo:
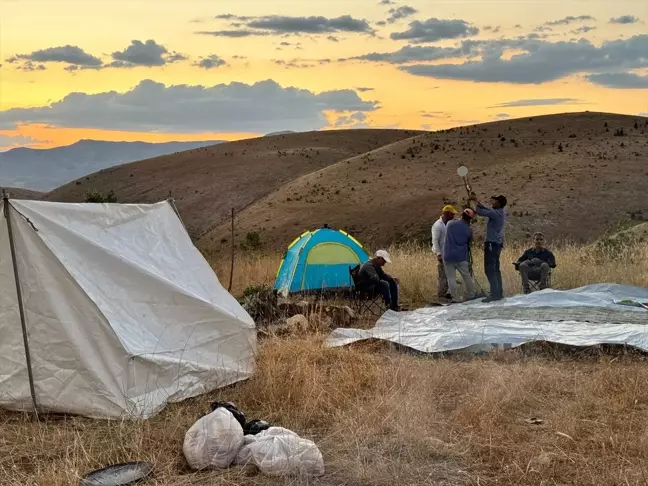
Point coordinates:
[(535, 265), (373, 279)]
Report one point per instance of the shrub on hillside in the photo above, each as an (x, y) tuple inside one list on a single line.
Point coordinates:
[(97, 197)]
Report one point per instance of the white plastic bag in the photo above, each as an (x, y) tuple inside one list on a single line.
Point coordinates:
[(213, 441), (281, 452)]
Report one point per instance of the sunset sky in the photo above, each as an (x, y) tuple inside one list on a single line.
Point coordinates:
[(159, 70)]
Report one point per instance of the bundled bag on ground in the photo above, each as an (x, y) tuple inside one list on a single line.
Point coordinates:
[(213, 441), (280, 452)]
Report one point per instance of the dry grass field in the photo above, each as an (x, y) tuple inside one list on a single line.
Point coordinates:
[(385, 418)]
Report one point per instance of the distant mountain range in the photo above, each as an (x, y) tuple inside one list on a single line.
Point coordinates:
[(46, 169)]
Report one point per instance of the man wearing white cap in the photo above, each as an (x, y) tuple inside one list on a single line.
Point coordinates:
[(438, 239), (372, 278)]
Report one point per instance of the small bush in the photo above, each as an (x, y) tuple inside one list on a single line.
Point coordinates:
[(97, 197)]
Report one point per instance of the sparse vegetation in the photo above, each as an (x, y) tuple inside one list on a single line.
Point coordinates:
[(98, 197)]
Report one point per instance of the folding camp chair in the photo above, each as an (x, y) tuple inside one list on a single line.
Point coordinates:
[(534, 278), (362, 300)]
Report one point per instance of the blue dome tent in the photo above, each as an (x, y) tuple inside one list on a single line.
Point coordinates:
[(319, 260)]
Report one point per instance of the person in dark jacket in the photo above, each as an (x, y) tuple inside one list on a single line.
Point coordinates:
[(536, 262), (372, 278), (493, 243)]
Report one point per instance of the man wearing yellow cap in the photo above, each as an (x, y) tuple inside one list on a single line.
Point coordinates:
[(438, 237)]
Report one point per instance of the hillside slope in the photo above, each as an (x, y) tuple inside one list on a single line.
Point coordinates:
[(567, 175), (46, 169), (20, 193), (207, 182)]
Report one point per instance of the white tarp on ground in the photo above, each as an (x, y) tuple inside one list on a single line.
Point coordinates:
[(123, 313), (585, 316)]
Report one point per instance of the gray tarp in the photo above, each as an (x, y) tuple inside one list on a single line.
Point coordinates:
[(585, 316)]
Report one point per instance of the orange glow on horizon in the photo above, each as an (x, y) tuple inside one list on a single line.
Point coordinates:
[(46, 137)]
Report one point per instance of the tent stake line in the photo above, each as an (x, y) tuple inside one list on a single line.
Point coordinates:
[(21, 307)]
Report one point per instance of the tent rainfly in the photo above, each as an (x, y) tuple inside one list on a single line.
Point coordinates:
[(109, 311)]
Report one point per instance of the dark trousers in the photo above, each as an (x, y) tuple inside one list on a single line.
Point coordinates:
[(389, 291), (492, 253)]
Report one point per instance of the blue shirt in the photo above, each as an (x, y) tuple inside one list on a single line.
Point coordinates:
[(458, 236), (495, 226)]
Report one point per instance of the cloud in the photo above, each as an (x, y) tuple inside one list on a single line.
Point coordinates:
[(364, 90), (643, 114), (583, 30), (624, 19), (570, 20), (619, 80), (286, 25), (233, 33), (278, 24), (232, 17), (148, 53), (492, 29), (421, 53), (210, 62), (68, 54), (386, 2), (434, 29), (10, 141), (541, 61), (538, 102), (355, 120), (261, 107), (435, 114), (502, 116), (295, 63), (30, 67), (399, 13), (333, 38)]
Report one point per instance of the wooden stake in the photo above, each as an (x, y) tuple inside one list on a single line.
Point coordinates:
[(229, 287)]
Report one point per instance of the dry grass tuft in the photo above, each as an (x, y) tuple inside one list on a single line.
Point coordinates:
[(385, 418)]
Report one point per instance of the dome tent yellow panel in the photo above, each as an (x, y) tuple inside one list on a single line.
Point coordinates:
[(319, 260)]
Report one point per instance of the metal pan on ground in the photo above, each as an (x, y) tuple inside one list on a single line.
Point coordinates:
[(123, 474)]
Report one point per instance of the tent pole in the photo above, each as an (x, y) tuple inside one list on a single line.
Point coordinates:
[(21, 307), (231, 276), (171, 201)]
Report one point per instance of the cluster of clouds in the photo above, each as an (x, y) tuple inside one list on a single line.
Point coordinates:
[(138, 53), (263, 106), (235, 107), (536, 61)]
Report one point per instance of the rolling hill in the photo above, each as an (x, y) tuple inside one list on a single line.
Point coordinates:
[(571, 175), (19, 193), (207, 182), (46, 169)]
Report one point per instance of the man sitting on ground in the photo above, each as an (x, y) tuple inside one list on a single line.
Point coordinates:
[(373, 279), (536, 263), (438, 238), (458, 238)]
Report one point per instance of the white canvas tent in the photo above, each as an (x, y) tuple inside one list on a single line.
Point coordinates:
[(122, 314)]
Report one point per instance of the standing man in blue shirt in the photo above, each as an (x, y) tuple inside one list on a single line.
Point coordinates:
[(493, 244), (455, 254)]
